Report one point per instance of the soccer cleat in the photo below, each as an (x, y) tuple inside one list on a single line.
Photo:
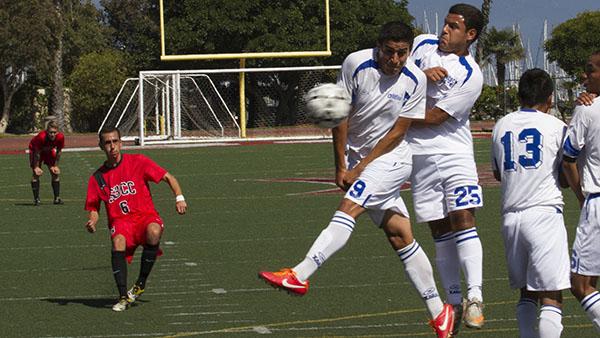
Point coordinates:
[(443, 324), (285, 279), (121, 305), (58, 200), (474, 314), (37, 202), (458, 317), (134, 293)]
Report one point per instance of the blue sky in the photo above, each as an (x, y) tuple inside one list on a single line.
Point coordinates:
[(529, 14)]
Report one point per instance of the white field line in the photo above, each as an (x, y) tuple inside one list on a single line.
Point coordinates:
[(196, 322), (229, 291), (107, 244), (198, 305), (205, 313), (249, 328)]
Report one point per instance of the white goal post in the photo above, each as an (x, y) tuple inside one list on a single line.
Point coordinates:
[(185, 106)]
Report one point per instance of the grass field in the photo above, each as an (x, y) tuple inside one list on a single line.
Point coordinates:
[(247, 212)]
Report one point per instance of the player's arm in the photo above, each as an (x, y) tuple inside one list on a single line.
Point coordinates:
[(495, 170), (61, 144), (180, 204), (55, 169), (433, 117), (340, 135), (386, 144), (435, 74), (562, 178), (494, 161), (497, 176), (36, 160), (571, 173), (92, 221), (585, 99), (92, 202)]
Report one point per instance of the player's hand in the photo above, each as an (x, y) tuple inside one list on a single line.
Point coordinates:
[(339, 179), (90, 226), (55, 170), (435, 73), (38, 171), (351, 176), (585, 99), (181, 207)]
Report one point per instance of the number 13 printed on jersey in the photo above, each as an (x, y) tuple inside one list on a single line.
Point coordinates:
[(532, 158)]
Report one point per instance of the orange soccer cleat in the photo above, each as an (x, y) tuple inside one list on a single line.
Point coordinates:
[(285, 279)]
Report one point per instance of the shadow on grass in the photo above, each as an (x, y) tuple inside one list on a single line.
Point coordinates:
[(25, 204), (91, 302), (105, 303)]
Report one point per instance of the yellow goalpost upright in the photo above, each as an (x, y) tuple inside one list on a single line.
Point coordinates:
[(242, 57)]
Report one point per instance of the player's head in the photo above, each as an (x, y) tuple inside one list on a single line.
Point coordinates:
[(461, 28), (591, 74), (51, 130), (535, 89), (393, 46), (110, 143)]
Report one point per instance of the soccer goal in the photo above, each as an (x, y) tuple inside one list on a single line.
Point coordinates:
[(206, 106)]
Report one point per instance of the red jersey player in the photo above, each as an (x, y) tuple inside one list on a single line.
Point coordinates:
[(46, 147), (122, 184)]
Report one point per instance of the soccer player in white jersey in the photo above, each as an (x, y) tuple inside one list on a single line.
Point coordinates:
[(526, 158), (582, 149), (444, 179), (372, 161)]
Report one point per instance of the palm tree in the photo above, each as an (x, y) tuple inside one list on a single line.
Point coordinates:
[(505, 45), (485, 10)]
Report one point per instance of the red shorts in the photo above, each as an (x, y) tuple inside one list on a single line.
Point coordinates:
[(133, 228), (46, 157)]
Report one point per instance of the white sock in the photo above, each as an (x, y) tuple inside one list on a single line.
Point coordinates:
[(446, 262), (527, 310), (470, 255), (591, 306), (420, 273), (550, 322), (331, 239)]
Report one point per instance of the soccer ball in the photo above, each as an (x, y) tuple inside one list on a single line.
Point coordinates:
[(327, 105)]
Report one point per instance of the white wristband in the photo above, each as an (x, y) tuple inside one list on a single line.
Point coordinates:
[(179, 198)]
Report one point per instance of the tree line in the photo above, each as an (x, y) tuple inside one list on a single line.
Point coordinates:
[(68, 58)]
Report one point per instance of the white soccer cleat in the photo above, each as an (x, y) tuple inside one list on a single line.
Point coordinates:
[(134, 293), (474, 314), (121, 305)]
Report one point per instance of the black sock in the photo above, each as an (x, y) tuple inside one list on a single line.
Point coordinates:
[(148, 259), (119, 268), (56, 188), (35, 187)]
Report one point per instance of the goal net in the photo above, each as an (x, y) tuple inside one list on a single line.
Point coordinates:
[(206, 105)]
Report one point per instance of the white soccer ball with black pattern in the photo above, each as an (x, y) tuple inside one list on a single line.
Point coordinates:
[(327, 105)]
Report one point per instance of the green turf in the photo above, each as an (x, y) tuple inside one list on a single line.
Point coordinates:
[(56, 278)]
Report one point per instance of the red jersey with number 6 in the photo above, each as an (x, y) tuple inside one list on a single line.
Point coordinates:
[(124, 188)]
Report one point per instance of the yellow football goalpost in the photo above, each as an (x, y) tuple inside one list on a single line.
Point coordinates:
[(242, 57)]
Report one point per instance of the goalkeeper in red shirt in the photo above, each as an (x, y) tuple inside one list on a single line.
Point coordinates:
[(122, 184), (45, 148)]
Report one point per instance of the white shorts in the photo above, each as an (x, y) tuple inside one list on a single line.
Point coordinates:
[(585, 257), (378, 186), (444, 183), (536, 248)]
